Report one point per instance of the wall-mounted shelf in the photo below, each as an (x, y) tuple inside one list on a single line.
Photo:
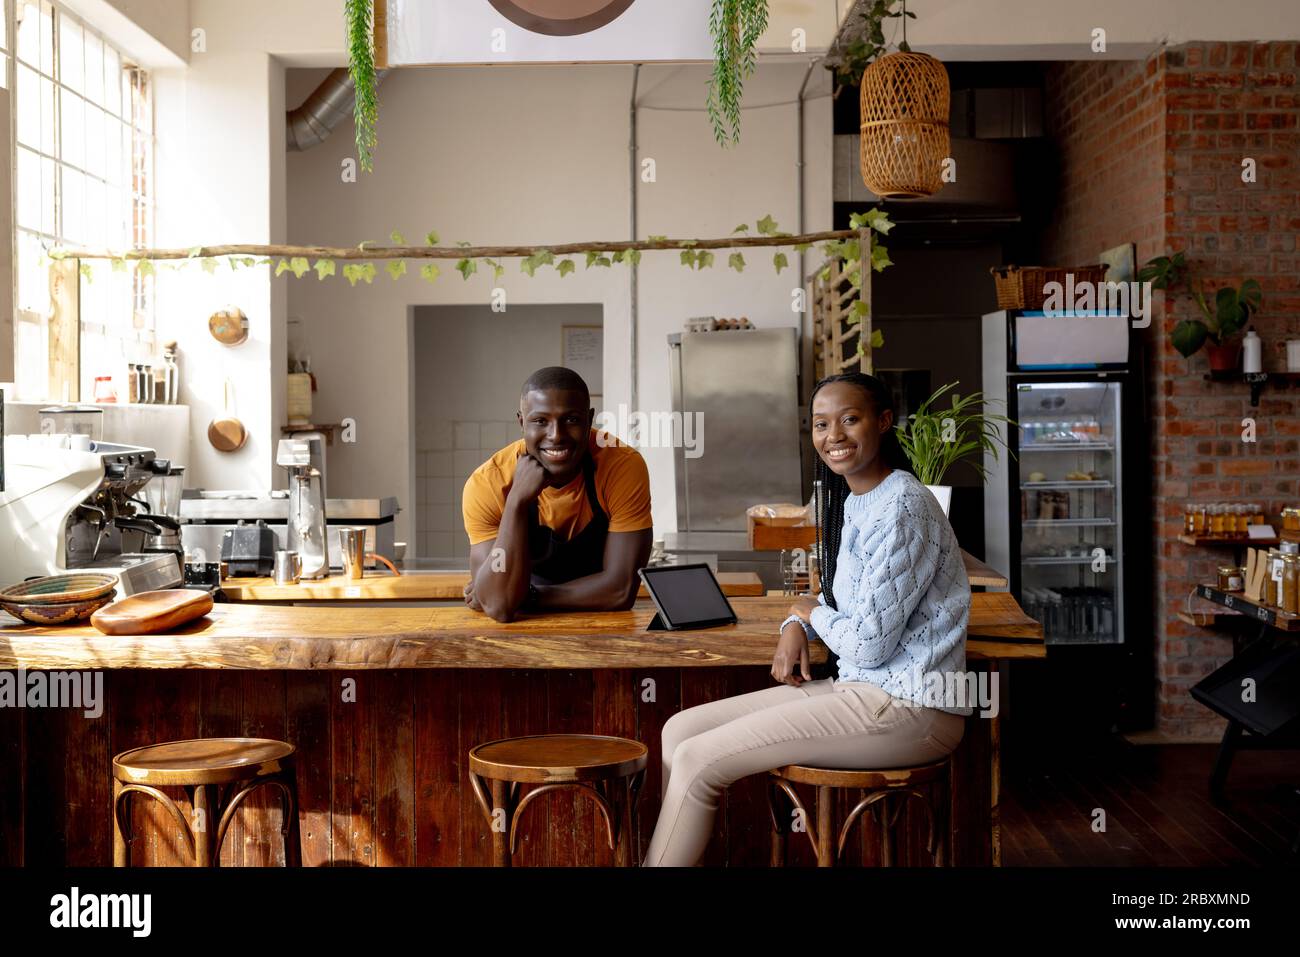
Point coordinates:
[(1206, 540), (1256, 380), (1281, 620), (328, 430), (1208, 619)]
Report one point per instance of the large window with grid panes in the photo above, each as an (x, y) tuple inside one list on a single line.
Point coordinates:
[(83, 171)]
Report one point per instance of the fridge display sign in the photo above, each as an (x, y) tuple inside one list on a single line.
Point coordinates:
[(1070, 342), (432, 32)]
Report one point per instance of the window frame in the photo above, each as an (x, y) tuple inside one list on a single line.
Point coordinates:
[(135, 116)]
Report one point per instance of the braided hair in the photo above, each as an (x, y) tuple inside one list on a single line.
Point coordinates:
[(835, 488)]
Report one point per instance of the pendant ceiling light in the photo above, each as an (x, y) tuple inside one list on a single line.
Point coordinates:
[(904, 113)]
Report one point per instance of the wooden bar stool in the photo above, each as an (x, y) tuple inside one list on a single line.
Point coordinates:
[(609, 770), (218, 774), (886, 791)]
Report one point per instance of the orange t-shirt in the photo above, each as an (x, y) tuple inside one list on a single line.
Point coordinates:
[(622, 486)]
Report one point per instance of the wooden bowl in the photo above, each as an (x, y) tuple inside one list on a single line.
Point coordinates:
[(57, 613), (60, 589), (149, 612)]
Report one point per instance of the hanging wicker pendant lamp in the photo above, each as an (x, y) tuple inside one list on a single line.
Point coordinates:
[(904, 110)]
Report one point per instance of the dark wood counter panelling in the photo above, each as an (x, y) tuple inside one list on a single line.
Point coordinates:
[(382, 779)]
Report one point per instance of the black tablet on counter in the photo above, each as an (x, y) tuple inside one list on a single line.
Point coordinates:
[(686, 596)]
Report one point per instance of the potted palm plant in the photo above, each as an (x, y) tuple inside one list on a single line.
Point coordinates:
[(935, 439), (1218, 328)]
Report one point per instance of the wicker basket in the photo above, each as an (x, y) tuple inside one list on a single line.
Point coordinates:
[(1023, 287), (903, 104)]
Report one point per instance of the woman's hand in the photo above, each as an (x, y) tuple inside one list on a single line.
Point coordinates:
[(790, 664), (469, 596), (803, 607)]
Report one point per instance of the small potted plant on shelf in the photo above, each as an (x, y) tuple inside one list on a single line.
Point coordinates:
[(935, 439), (1220, 324)]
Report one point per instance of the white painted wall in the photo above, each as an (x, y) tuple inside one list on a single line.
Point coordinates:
[(217, 148), (540, 155), (154, 33)]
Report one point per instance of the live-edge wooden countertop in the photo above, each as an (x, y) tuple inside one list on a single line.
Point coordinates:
[(259, 637), (412, 586)]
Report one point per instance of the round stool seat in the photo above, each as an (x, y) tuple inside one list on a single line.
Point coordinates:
[(557, 758), (202, 761), (870, 780)]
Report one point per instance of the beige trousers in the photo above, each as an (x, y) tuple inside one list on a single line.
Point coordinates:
[(825, 723)]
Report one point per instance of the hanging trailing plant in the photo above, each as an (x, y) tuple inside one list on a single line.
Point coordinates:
[(869, 40), (361, 67), (735, 26)]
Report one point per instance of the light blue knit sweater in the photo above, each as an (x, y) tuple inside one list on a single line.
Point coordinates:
[(903, 596)]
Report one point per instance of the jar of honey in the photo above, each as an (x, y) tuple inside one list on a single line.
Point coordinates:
[(1273, 583), (1200, 520), (1291, 519), (1239, 520), (1290, 584), (1217, 520), (1231, 578)]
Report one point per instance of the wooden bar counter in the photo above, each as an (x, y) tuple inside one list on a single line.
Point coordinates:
[(412, 586), (383, 703)]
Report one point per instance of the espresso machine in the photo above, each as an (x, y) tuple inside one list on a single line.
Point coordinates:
[(304, 456), (67, 508), (162, 499)]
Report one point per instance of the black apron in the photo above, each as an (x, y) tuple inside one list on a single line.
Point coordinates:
[(555, 560)]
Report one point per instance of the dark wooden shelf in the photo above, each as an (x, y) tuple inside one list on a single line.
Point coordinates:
[(1250, 608), (327, 429), (1208, 619), (1203, 540)]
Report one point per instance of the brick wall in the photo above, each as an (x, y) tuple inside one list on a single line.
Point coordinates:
[(1152, 153), (1107, 121)]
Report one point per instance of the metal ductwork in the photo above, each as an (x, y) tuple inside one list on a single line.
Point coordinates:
[(328, 105)]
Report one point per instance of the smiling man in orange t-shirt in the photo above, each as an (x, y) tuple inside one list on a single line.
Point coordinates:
[(559, 518)]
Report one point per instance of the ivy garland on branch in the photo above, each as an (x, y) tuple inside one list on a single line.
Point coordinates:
[(359, 263)]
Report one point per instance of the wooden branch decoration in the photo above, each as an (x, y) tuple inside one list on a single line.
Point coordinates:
[(376, 252)]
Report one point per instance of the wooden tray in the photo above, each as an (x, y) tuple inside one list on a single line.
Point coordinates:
[(152, 611)]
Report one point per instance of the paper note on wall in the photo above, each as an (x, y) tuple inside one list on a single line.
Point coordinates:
[(583, 351)]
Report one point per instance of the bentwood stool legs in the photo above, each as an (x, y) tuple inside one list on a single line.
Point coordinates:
[(883, 794), (608, 770), (218, 774)]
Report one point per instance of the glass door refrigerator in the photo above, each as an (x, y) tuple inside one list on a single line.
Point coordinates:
[(1067, 513)]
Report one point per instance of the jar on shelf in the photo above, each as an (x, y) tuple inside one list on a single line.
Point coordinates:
[(1216, 520), (1189, 519), (1257, 514), (1200, 519), (1241, 520), (1273, 583), (1231, 578), (1291, 519), (1290, 584)]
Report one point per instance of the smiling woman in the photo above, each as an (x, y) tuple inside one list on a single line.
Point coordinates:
[(893, 610)]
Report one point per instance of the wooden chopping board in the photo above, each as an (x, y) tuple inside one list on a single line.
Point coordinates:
[(152, 611)]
